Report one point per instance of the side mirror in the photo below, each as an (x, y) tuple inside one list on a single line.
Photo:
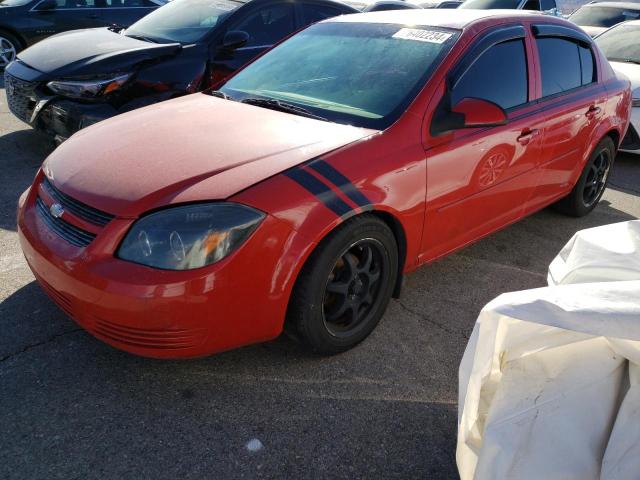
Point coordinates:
[(234, 39), (479, 113), (47, 5)]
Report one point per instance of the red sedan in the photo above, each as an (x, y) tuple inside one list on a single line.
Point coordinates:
[(298, 194)]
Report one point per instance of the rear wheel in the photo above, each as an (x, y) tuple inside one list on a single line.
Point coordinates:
[(592, 182), (345, 286), (9, 48)]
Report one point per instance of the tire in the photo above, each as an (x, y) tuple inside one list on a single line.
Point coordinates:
[(353, 271), (592, 183), (9, 48)]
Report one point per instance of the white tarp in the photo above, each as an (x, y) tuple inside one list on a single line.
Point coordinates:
[(550, 379)]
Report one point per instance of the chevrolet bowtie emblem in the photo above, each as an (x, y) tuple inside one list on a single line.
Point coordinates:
[(56, 210)]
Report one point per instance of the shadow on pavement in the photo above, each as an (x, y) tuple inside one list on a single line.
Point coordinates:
[(21, 154), (625, 175), (80, 405)]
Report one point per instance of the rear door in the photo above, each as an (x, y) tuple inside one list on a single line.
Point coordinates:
[(479, 179), (573, 104)]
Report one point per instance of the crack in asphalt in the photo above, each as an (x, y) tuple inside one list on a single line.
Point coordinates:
[(432, 322), (38, 344)]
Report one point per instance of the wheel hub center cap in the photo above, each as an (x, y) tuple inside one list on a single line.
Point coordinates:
[(357, 287)]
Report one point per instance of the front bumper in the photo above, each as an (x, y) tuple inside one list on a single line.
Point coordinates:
[(156, 313), (56, 116), (631, 141)]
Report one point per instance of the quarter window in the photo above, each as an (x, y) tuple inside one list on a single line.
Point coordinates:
[(268, 25), (564, 65), (498, 75)]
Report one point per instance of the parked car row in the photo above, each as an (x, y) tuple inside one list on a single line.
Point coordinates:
[(299, 190), (81, 77), (596, 17)]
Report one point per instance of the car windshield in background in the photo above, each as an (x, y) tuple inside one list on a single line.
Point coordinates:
[(490, 4), (362, 74), (183, 21), (603, 16), (621, 44)]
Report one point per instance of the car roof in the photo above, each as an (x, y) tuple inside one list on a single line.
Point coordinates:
[(629, 5), (445, 18)]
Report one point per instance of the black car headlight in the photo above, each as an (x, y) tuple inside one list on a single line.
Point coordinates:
[(89, 88), (191, 236)]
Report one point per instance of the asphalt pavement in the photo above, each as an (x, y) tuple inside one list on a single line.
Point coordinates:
[(73, 407)]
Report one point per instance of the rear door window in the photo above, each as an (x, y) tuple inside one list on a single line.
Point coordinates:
[(498, 75), (564, 65)]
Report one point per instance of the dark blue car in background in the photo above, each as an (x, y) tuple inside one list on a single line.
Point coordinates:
[(25, 22)]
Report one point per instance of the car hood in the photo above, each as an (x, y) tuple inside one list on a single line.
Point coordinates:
[(188, 149), (96, 50), (630, 71), (593, 31)]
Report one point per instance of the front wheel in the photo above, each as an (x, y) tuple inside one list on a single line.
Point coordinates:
[(345, 286), (592, 182), (9, 48)]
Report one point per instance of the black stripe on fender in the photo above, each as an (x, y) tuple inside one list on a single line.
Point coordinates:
[(320, 190), (340, 181)]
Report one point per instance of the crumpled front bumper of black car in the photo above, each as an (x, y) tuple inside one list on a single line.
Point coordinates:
[(54, 115)]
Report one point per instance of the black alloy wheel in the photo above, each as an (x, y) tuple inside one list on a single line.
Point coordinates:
[(345, 286), (597, 177), (353, 287), (592, 183)]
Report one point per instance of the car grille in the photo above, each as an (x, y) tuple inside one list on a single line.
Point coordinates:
[(80, 210), (72, 234), (20, 96)]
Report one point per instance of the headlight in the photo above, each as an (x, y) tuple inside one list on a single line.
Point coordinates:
[(192, 236), (88, 88), (635, 101)]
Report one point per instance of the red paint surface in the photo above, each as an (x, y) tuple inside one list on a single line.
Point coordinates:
[(444, 192)]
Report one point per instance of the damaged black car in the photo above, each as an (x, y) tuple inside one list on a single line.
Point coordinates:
[(75, 79)]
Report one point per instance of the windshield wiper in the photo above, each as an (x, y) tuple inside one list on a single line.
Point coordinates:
[(220, 94), (143, 38), (274, 104)]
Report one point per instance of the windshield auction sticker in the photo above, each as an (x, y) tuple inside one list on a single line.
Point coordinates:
[(420, 35)]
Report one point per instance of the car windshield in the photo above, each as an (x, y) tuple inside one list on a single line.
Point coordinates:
[(184, 21), (362, 74), (490, 4), (603, 16), (620, 44)]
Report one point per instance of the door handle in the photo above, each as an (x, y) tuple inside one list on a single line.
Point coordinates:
[(93, 16), (527, 135), (593, 111)]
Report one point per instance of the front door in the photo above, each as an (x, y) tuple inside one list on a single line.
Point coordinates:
[(480, 179)]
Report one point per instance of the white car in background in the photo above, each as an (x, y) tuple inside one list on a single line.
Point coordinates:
[(595, 17), (621, 46)]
